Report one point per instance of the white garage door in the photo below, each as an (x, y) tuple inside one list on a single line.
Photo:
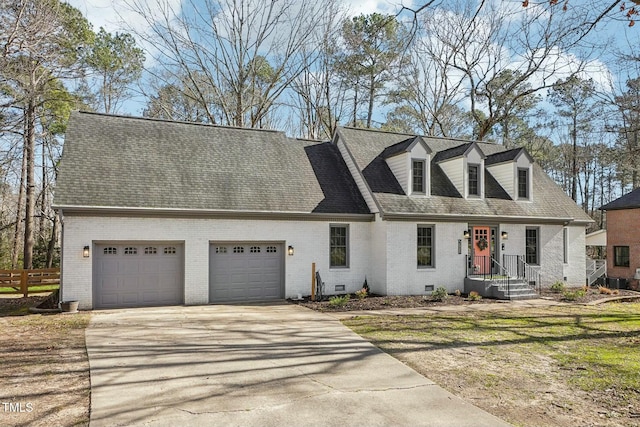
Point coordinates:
[(245, 272), (137, 274)]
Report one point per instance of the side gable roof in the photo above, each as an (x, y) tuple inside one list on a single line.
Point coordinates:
[(125, 163), (628, 201), (549, 203)]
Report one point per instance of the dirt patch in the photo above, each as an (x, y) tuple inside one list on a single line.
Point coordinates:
[(375, 302), (45, 370), (531, 366)]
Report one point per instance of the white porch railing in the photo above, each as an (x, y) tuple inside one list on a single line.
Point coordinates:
[(596, 268)]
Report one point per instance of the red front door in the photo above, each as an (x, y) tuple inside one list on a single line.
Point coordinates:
[(481, 250)]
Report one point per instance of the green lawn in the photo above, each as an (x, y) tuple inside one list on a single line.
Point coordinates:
[(32, 289), (592, 350)]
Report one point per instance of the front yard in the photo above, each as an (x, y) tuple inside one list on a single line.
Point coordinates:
[(568, 365), (45, 371), (558, 366)]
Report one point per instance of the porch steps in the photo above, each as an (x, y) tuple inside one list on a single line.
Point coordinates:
[(518, 289)]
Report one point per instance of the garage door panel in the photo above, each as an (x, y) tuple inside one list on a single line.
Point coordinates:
[(137, 274), (255, 263), (243, 272)]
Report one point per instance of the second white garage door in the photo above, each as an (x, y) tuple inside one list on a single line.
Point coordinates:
[(246, 272)]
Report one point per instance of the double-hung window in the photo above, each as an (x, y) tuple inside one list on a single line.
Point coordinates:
[(418, 176), (474, 180), (523, 183), (425, 254), (339, 246), (532, 246)]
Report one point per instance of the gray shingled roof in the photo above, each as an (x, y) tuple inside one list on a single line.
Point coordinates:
[(504, 156), (452, 152), (397, 148), (628, 201), (549, 201), (126, 162)]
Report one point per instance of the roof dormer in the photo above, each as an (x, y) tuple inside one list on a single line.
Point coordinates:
[(410, 160), (513, 170), (464, 166)]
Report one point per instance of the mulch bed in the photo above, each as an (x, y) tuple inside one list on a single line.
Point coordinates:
[(377, 302)]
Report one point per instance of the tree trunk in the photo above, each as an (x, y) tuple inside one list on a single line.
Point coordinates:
[(355, 105), (16, 234), (52, 241), (372, 92), (29, 145), (574, 160)]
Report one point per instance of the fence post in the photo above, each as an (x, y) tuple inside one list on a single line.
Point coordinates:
[(24, 277)]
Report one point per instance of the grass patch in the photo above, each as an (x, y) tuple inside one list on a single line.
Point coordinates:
[(32, 289), (581, 351)]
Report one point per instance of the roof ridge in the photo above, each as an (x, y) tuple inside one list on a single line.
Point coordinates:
[(446, 138), (155, 119)]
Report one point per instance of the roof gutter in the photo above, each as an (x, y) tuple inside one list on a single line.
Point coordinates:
[(120, 211), (478, 218)]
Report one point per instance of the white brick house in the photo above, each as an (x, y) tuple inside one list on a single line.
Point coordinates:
[(157, 212)]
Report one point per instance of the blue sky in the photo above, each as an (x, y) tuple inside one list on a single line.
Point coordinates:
[(114, 15)]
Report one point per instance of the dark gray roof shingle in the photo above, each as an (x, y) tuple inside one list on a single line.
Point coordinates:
[(628, 201), (452, 152), (127, 162), (504, 156), (366, 146)]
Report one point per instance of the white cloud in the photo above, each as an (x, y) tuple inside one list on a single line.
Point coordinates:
[(117, 15)]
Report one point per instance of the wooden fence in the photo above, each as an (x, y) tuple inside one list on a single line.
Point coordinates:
[(22, 280)]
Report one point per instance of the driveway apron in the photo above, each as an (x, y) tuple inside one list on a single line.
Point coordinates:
[(255, 365)]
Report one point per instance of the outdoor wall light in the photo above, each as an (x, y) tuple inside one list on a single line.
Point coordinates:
[(504, 235), (290, 250), (466, 234), (85, 252)]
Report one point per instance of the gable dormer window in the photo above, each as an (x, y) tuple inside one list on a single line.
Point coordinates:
[(409, 162), (523, 183), (418, 176), (474, 180)]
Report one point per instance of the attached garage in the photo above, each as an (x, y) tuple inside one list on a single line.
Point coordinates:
[(137, 274), (246, 271)]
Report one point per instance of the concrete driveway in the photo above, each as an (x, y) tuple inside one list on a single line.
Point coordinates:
[(254, 365)]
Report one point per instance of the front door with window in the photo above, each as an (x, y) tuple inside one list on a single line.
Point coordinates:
[(481, 250)]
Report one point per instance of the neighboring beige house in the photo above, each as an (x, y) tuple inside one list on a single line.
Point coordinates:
[(159, 213)]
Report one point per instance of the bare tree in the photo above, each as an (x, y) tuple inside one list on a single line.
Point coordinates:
[(247, 52), (39, 49)]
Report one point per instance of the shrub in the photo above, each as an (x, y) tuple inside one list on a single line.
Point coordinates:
[(557, 287), (573, 295), (362, 293), (365, 286), (439, 294), (339, 301), (474, 296), (458, 292)]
